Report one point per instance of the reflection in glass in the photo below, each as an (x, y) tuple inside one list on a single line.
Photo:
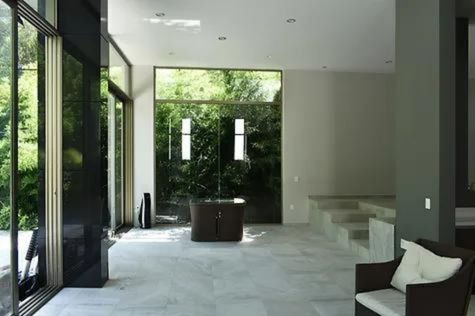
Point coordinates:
[(6, 68), (471, 110), (45, 8)]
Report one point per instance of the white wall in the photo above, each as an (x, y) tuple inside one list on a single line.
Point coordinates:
[(338, 137), (144, 157)]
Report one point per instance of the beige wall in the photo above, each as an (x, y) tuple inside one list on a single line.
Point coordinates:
[(144, 156), (338, 137)]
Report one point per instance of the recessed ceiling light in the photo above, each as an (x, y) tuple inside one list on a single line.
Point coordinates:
[(222, 38), (160, 14), (291, 21), (388, 62)]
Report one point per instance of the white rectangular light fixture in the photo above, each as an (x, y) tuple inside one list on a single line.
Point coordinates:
[(239, 147), (239, 126), (186, 139), (186, 126), (186, 147)]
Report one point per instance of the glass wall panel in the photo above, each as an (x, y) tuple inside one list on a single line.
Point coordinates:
[(218, 150), (105, 187), (44, 7), (119, 71), (115, 160), (6, 67), (250, 159), (218, 85), (119, 166), (471, 109), (31, 171), (186, 156)]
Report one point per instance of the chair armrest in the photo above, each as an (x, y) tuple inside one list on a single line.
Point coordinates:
[(375, 276), (448, 297)]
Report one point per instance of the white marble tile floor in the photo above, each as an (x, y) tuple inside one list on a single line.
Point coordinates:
[(277, 270)]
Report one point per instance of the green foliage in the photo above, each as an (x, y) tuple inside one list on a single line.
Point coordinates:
[(218, 85), (28, 162), (212, 171)]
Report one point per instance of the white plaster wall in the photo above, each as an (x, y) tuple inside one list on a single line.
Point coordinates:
[(338, 137), (144, 157)]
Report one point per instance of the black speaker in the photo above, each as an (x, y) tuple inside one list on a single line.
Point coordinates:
[(145, 215)]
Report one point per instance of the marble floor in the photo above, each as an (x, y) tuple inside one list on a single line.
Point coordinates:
[(275, 271)]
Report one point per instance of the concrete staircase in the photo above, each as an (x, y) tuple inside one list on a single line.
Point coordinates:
[(346, 220)]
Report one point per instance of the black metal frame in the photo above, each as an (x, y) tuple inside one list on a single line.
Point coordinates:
[(14, 163), (118, 93)]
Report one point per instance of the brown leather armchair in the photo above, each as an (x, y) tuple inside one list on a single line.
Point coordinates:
[(446, 298)]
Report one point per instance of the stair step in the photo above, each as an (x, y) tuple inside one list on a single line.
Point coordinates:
[(361, 242), (348, 231), (382, 208), (360, 247), (346, 220), (347, 215), (336, 204)]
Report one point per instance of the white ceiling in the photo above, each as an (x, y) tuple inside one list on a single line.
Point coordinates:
[(343, 35)]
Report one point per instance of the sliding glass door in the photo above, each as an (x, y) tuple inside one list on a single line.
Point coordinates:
[(6, 83), (115, 162), (31, 159), (218, 135)]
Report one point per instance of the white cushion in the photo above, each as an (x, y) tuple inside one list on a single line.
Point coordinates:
[(388, 302), (420, 265)]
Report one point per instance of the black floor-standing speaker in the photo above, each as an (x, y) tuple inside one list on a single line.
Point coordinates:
[(145, 215)]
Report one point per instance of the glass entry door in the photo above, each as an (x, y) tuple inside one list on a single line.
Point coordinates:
[(6, 82), (116, 161)]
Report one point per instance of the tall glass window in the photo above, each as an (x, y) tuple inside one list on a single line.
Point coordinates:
[(45, 8), (218, 135), (31, 145), (119, 165), (119, 71), (112, 144), (471, 110), (6, 70)]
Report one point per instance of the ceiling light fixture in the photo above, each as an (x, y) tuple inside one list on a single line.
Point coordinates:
[(291, 21), (160, 14), (222, 38)]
